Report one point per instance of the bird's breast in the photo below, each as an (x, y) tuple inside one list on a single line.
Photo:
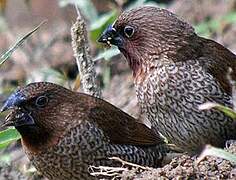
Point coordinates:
[(170, 97)]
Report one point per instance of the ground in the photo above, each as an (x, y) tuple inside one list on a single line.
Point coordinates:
[(186, 167)]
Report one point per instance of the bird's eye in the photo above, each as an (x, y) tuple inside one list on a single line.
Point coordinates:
[(41, 101), (129, 31)]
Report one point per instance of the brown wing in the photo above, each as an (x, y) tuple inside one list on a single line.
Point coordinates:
[(122, 128), (220, 59)]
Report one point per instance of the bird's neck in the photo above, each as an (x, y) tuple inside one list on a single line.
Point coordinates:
[(136, 64), (141, 62), (35, 139)]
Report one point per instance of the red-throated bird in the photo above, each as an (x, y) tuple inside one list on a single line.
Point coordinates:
[(64, 132), (174, 72)]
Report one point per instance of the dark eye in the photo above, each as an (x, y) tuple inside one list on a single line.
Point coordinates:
[(41, 101), (129, 31)]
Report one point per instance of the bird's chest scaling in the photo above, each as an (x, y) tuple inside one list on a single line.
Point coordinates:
[(168, 84), (171, 94)]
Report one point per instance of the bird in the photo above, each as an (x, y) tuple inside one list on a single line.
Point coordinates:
[(174, 72), (64, 133)]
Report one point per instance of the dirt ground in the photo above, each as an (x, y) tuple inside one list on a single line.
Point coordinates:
[(186, 167), (121, 93)]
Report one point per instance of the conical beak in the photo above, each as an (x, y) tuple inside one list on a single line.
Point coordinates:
[(14, 100), (18, 118), (103, 39), (111, 37), (107, 35)]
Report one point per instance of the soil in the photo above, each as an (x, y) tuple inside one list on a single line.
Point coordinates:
[(186, 167)]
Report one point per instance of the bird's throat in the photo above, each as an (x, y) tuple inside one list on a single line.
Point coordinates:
[(134, 63), (34, 139)]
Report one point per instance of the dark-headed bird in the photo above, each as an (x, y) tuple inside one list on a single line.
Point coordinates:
[(174, 72), (64, 132)]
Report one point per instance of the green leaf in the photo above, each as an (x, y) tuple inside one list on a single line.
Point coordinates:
[(107, 54), (228, 111), (214, 25), (9, 52), (203, 29), (7, 136), (217, 152), (230, 17), (98, 26)]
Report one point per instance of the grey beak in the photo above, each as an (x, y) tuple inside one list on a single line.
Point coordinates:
[(14, 100), (111, 36), (102, 39)]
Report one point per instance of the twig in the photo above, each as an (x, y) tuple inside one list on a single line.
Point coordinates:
[(115, 172), (106, 171), (129, 164), (83, 59)]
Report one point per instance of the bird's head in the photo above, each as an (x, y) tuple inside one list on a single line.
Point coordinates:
[(38, 111), (146, 34)]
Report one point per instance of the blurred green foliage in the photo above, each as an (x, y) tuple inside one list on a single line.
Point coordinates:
[(7, 136), (47, 74), (210, 26), (107, 54)]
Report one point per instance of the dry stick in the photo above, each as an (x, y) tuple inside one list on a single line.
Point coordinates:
[(130, 164), (84, 61), (106, 171), (115, 172)]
